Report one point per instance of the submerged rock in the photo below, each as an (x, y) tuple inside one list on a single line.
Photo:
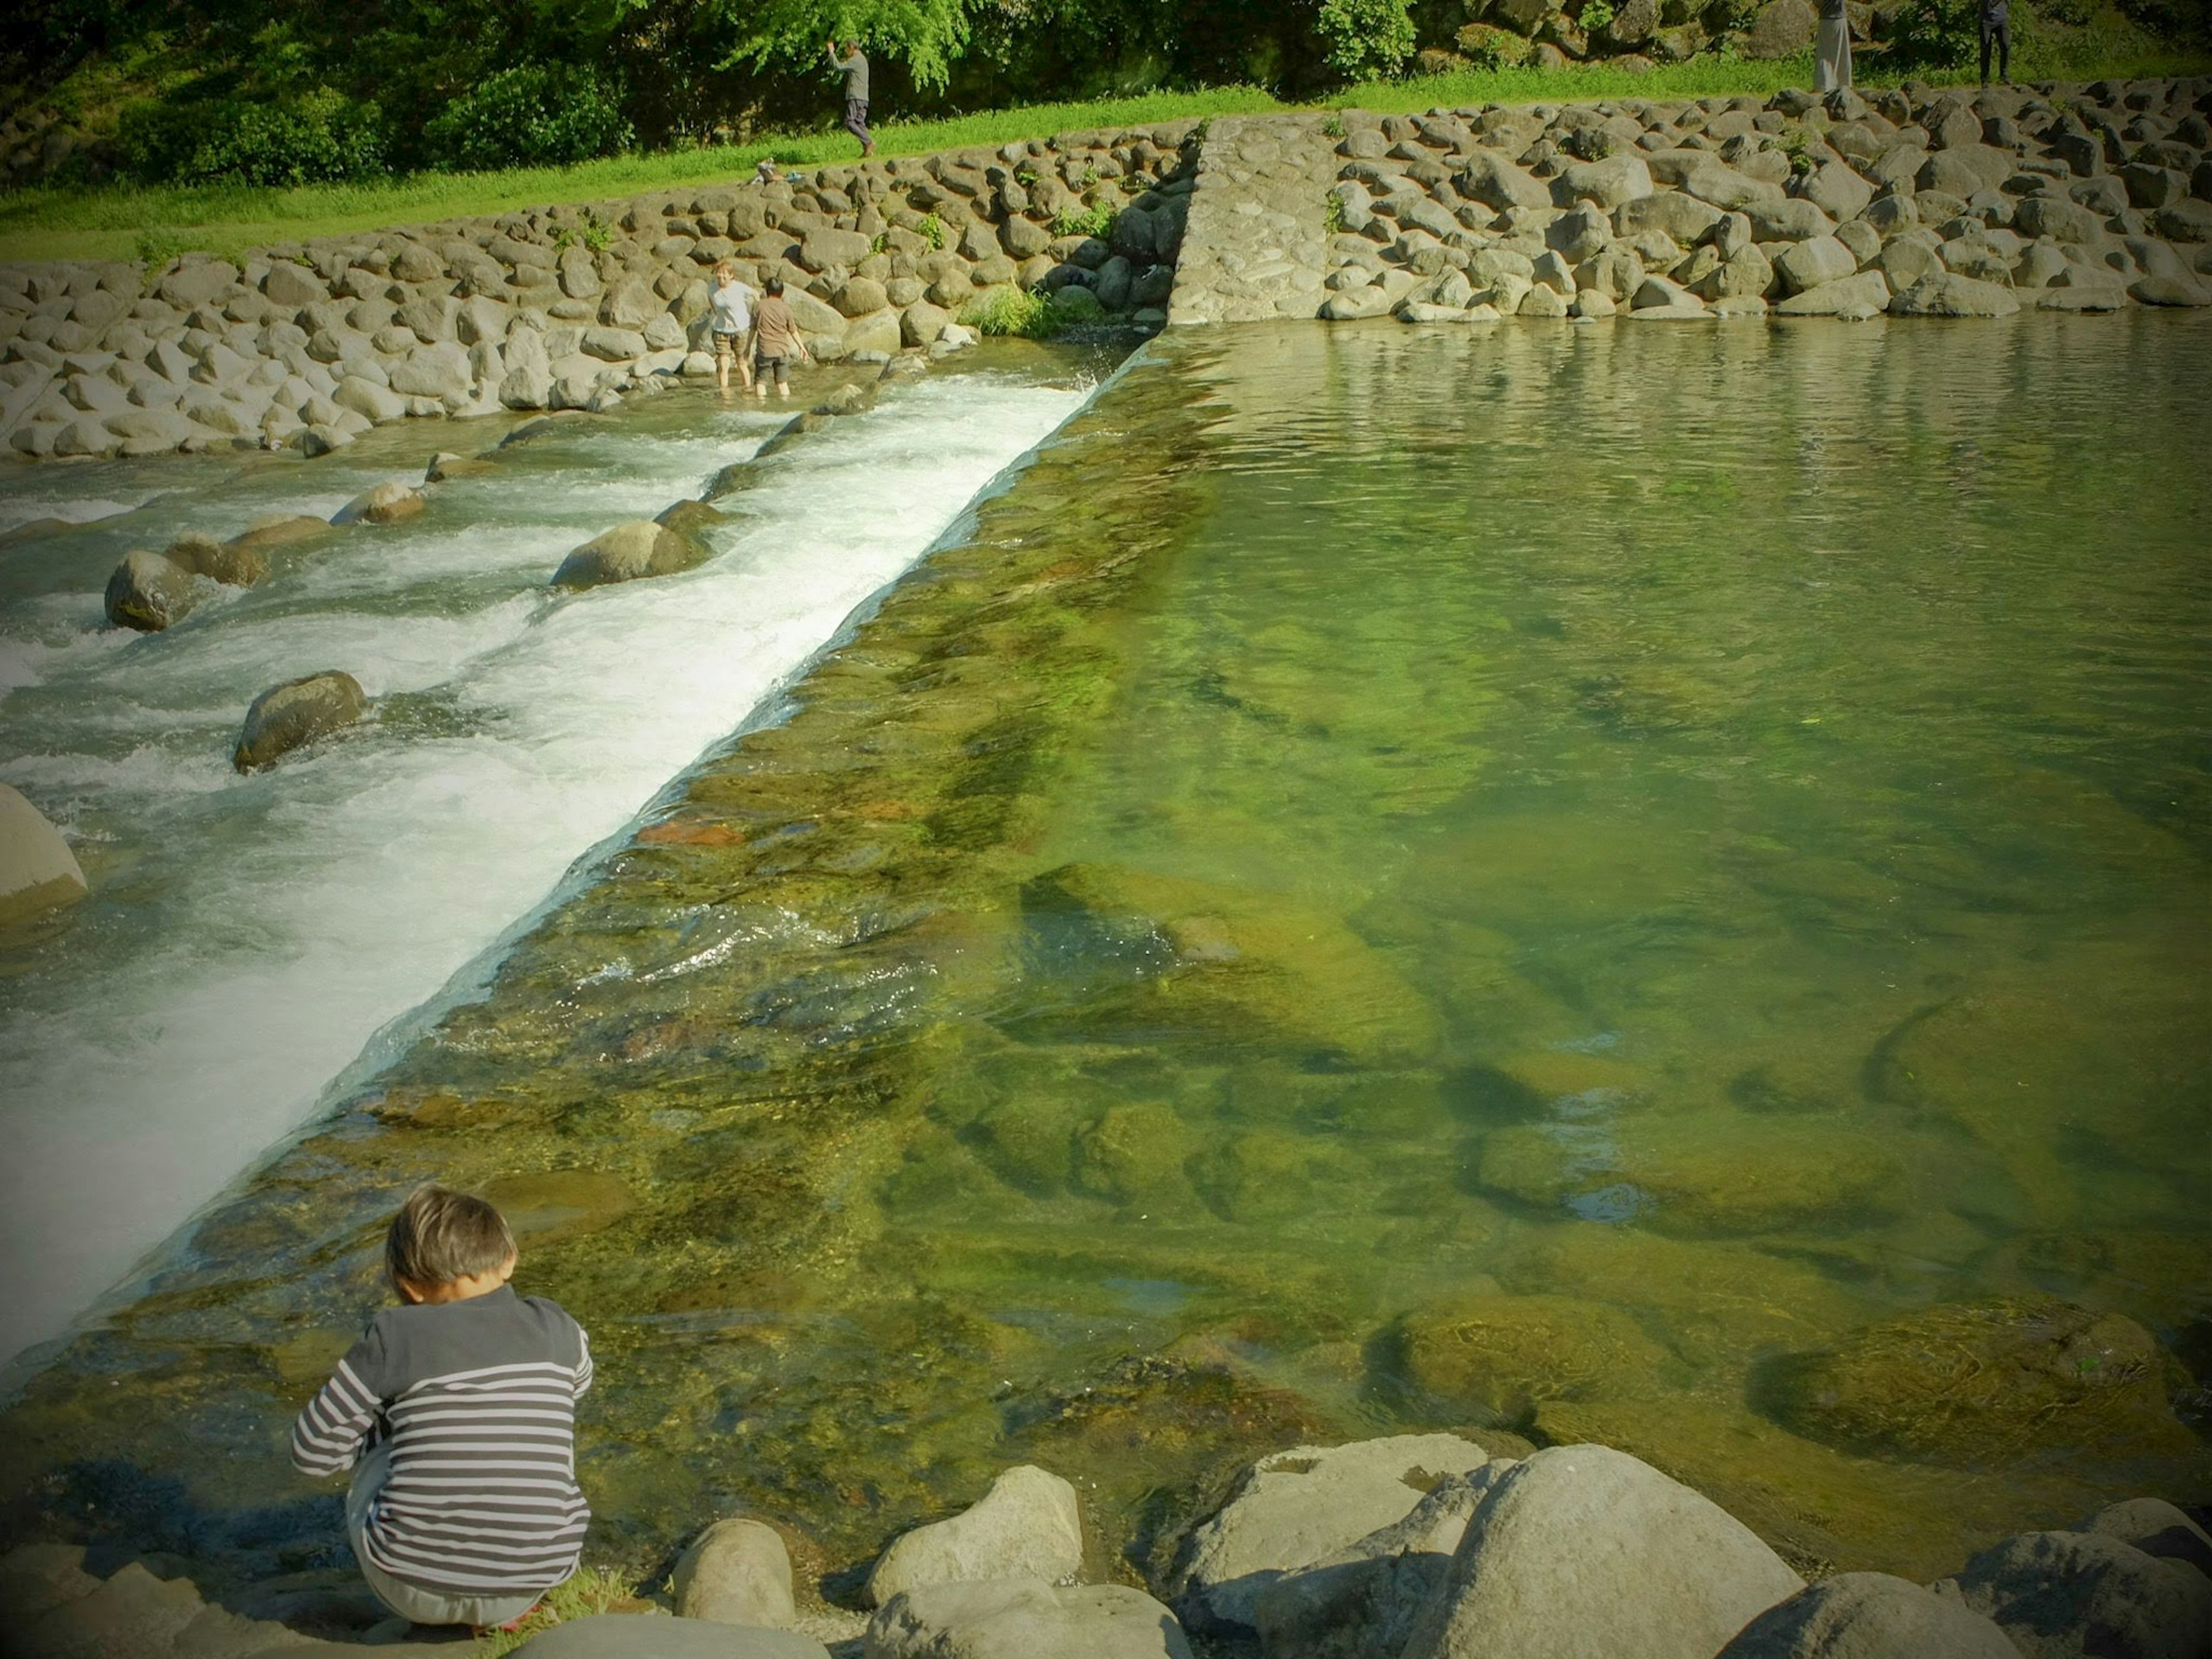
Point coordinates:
[(628, 552), (2082, 1596), (689, 518), (736, 1572), (1579, 1550), (287, 716), (1294, 1508), (1020, 1619), (279, 530), (1505, 1356), (1869, 1615), (388, 503), (235, 564), (149, 591), (1983, 1381), (1026, 1526), (38, 871)]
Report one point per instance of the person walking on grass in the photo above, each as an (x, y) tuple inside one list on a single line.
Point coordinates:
[(776, 339), (732, 303), (1831, 56), (1997, 30), (854, 64), (456, 1411)]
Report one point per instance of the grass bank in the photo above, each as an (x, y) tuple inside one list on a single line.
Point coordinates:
[(122, 223)]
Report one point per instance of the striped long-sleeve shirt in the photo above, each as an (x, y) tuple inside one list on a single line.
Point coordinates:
[(478, 1398)]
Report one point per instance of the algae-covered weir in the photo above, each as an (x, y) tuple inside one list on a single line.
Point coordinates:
[(1640, 886)]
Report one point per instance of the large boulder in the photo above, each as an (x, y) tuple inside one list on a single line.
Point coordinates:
[(1022, 1619), (1582, 1550), (279, 530), (235, 564), (1781, 27), (1494, 181), (2084, 1596), (1809, 264), (616, 1635), (149, 591), (38, 871), (387, 503), (1360, 1602), (1674, 214), (2156, 1528), (1291, 1508), (1869, 1615), (629, 551), (1946, 293), (1027, 1526), (1976, 1382), (1859, 297), (1611, 183), (287, 716), (737, 1572), (1503, 1357)]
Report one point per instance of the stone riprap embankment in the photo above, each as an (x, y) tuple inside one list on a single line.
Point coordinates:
[(1414, 1546), (306, 345), (1257, 244), (1913, 203)]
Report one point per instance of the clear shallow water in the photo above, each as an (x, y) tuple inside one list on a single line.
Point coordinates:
[(1530, 879), (246, 936)]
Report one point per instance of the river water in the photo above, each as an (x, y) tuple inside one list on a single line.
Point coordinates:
[(248, 936), (1551, 881)]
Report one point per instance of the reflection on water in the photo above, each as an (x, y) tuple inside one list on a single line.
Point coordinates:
[(1566, 881)]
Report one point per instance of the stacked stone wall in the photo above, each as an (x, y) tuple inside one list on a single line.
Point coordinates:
[(307, 344)]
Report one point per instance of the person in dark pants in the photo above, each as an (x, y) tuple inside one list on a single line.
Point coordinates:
[(1996, 30), (854, 64)]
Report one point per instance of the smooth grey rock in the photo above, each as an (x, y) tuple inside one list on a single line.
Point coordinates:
[(1022, 1619), (1610, 182), (38, 872), (1811, 263), (737, 1572), (150, 592), (235, 564), (1863, 295), (1946, 293), (2057, 217), (1360, 1602), (617, 1635), (387, 503), (34, 1577), (1869, 1615), (133, 1613), (1495, 182), (441, 370), (1838, 191), (365, 397), (1027, 1526), (1787, 219), (629, 552), (1291, 1508), (287, 716), (2170, 291), (2156, 1528), (1582, 1550), (1682, 217), (1354, 304), (2085, 1595)]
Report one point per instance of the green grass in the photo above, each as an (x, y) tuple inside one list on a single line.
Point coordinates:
[(592, 1590), (120, 222)]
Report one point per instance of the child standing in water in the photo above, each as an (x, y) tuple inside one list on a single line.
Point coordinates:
[(456, 1411), (776, 338), (732, 304)]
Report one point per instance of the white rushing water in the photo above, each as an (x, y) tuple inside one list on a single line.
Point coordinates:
[(248, 936)]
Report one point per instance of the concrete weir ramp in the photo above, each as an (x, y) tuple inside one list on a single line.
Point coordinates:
[(1257, 242)]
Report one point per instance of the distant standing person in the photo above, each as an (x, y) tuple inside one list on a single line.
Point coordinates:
[(1997, 30), (1831, 59), (731, 303), (855, 64), (776, 338)]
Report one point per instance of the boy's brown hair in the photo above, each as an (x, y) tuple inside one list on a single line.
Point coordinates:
[(440, 1236)]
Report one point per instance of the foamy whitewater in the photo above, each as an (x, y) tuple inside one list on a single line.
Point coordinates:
[(246, 936)]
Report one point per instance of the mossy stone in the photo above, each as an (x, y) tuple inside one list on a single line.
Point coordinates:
[(1503, 1357), (1134, 1155)]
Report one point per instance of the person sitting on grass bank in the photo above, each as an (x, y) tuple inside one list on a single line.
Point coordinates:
[(855, 68), (732, 303), (456, 1411), (777, 341)]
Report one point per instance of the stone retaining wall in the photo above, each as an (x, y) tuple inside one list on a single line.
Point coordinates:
[(1912, 202), (307, 344)]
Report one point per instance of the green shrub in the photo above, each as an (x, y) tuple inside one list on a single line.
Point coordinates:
[(1031, 312), (532, 115), (320, 138), (1936, 33), (1096, 220), (1364, 38), (1595, 15), (1489, 48), (931, 230)]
